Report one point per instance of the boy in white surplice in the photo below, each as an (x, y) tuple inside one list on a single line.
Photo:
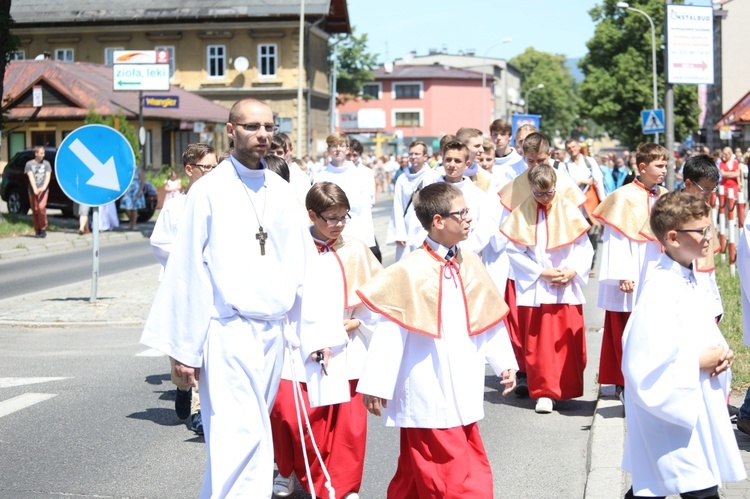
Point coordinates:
[(676, 367)]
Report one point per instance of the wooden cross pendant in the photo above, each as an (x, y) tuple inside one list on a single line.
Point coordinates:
[(261, 237)]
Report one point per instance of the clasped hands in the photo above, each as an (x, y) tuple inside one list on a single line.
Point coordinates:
[(558, 277)]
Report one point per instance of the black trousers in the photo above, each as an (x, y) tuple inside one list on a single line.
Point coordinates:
[(376, 251), (709, 493)]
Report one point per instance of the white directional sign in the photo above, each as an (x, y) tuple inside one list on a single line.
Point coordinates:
[(140, 76), (95, 165), (140, 70), (690, 44)]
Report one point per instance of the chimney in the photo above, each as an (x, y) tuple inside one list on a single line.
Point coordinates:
[(388, 67), (433, 51), (471, 52)]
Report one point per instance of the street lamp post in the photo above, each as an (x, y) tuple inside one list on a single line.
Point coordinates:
[(626, 5), (526, 99), (484, 78)]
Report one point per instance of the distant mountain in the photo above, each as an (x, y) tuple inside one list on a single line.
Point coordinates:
[(574, 69)]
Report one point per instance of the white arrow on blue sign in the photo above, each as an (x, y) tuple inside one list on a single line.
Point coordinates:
[(95, 165)]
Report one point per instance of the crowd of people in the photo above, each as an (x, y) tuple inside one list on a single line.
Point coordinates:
[(276, 310)]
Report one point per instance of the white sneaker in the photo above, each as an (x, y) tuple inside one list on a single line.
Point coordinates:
[(544, 405), (351, 495), (283, 486)]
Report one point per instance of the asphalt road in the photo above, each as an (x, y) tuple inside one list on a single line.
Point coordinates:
[(107, 427)]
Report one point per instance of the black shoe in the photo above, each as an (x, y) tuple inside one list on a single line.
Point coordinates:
[(734, 412), (743, 425), (38, 235), (196, 423), (43, 234), (522, 386), (182, 403)]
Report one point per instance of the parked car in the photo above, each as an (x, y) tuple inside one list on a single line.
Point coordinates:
[(15, 185)]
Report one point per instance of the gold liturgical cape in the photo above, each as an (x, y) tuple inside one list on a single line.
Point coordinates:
[(707, 263), (358, 265), (482, 179), (564, 220), (517, 191), (627, 210), (409, 292)]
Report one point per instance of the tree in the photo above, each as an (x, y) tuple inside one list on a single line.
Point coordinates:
[(618, 73), (9, 43), (120, 123), (354, 64), (556, 102)]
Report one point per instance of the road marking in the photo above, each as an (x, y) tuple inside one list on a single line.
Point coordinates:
[(10, 382), (151, 352), (23, 401)]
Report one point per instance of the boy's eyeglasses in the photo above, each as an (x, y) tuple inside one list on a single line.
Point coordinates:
[(255, 127), (333, 222), (204, 168), (460, 214), (542, 194), (704, 232), (705, 191)]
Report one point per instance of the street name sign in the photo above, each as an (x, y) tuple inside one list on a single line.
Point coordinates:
[(690, 44), (652, 121), (95, 165)]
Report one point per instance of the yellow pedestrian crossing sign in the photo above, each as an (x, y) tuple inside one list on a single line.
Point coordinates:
[(652, 121)]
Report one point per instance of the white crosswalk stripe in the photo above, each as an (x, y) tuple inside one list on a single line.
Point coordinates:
[(10, 382), (23, 401)]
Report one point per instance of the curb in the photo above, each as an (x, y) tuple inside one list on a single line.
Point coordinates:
[(605, 448), (68, 324), (79, 242)]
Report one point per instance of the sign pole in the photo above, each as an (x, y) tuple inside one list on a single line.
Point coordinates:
[(668, 106), (140, 127), (95, 259)]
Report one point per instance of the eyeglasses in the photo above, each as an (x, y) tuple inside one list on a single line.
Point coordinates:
[(704, 232), (333, 222), (542, 194), (704, 190), (461, 214), (204, 168), (255, 127)]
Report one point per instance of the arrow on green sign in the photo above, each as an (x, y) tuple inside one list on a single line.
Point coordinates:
[(121, 83)]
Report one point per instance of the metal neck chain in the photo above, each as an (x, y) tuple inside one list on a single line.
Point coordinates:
[(261, 236)]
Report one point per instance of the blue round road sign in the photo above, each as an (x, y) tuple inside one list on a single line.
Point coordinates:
[(95, 165)]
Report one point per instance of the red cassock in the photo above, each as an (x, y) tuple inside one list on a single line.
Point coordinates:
[(555, 349), (441, 463), (511, 324), (340, 432), (610, 371)]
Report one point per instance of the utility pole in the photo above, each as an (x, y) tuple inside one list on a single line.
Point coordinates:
[(668, 107)]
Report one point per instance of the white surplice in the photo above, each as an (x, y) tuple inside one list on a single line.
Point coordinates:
[(223, 307), (529, 262), (347, 361), (165, 229), (434, 382), (707, 280), (404, 225), (626, 260), (299, 181), (743, 269), (581, 173), (358, 186), (506, 169), (478, 203), (679, 437)]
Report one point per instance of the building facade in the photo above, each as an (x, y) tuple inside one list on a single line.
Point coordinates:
[(224, 51), (414, 102), (503, 79)]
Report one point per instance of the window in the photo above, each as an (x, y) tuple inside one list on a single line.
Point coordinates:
[(64, 55), (109, 55), (372, 90), (407, 90), (170, 49), (18, 55), (267, 60), (216, 61), (407, 118)]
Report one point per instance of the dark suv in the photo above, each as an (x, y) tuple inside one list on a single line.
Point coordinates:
[(15, 187)]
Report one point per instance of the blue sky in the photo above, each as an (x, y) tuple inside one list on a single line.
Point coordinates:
[(395, 27)]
